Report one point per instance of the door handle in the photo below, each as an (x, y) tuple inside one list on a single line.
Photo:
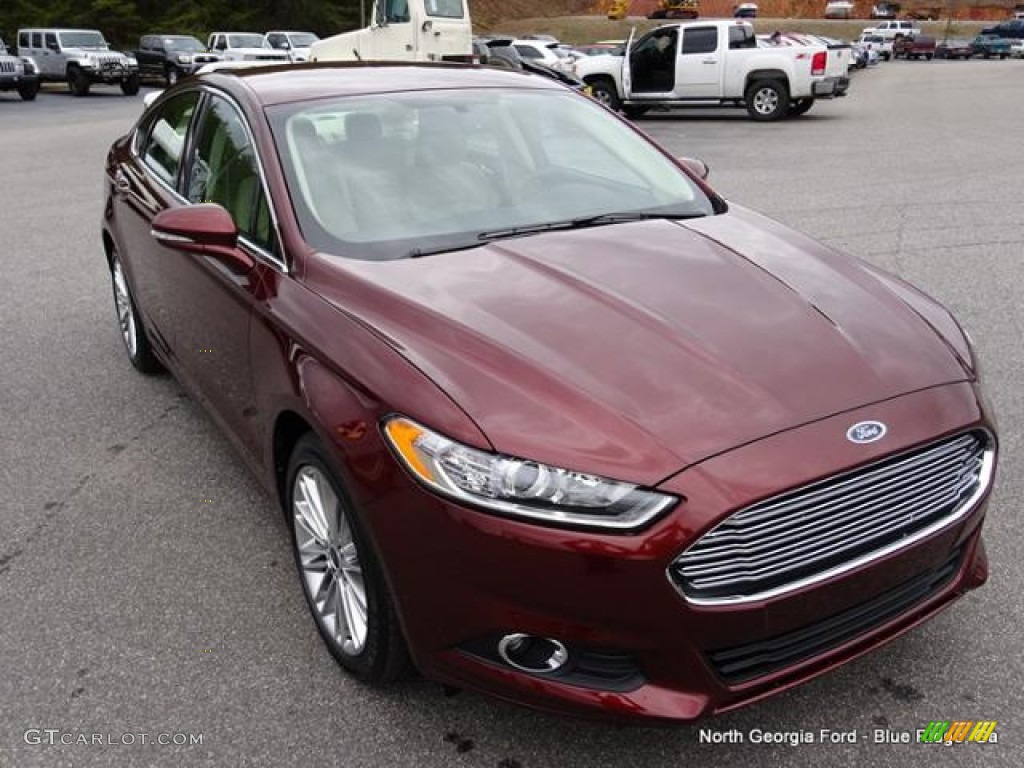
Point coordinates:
[(121, 182), (710, 61)]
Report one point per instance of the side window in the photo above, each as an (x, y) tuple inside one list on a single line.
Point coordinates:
[(700, 40), (23, 38), (37, 39), (396, 11), (145, 44), (224, 171), (51, 41), (165, 139), (741, 37)]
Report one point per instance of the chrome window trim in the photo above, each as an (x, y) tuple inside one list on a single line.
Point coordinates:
[(252, 248), (958, 514)]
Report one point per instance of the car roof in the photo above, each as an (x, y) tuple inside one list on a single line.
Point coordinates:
[(286, 83)]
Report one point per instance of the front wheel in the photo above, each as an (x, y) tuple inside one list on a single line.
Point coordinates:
[(603, 91), (928, 56), (130, 86), (172, 75), (78, 82), (767, 100), (341, 578), (800, 107), (140, 353), (28, 91)]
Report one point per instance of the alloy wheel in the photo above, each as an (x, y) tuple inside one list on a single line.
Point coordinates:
[(766, 101), (329, 560), (125, 313)]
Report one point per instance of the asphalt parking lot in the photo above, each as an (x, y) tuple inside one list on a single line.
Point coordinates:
[(146, 583)]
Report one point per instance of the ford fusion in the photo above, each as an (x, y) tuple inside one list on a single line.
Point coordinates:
[(546, 416)]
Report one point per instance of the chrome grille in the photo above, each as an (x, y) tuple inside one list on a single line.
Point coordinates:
[(837, 524), (10, 67)]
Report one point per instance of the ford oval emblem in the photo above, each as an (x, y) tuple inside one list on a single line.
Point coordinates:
[(866, 432)]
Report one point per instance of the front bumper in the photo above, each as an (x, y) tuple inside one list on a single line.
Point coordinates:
[(10, 81), (830, 87), (110, 73), (462, 578)]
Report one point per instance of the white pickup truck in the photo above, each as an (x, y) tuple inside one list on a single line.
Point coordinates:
[(708, 63)]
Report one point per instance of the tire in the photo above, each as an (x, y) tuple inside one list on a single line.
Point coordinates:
[(133, 334), (331, 549), (1002, 56), (929, 56), (78, 82), (659, 14), (28, 91), (800, 107), (633, 112), (130, 87), (767, 100), (603, 90), (887, 57), (171, 75)]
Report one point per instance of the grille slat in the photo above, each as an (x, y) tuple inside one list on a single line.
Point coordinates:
[(832, 525), (768, 510), (852, 518), (820, 556), (909, 487)]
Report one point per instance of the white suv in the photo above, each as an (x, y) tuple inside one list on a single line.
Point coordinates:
[(890, 30), (79, 57)]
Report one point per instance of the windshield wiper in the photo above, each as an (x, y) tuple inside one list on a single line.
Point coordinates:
[(582, 222)]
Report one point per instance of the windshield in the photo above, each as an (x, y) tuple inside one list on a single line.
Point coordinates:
[(247, 41), (390, 175), (3, 48), (445, 9), (82, 40), (187, 44), (302, 39)]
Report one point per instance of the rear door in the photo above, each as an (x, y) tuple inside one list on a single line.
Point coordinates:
[(700, 63)]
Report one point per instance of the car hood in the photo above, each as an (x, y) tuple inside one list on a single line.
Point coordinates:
[(634, 350)]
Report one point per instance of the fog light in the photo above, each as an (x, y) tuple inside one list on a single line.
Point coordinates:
[(538, 655)]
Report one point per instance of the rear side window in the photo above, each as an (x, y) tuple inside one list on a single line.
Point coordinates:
[(37, 39), (742, 37), (700, 40), (528, 52), (165, 138)]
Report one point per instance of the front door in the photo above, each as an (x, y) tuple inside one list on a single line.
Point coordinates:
[(213, 298), (700, 64), (392, 38), (652, 64)]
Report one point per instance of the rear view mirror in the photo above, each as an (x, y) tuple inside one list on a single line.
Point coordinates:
[(699, 167)]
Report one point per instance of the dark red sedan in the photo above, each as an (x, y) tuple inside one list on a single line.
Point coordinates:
[(547, 417)]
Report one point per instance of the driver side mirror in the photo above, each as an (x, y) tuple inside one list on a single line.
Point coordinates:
[(206, 228), (698, 167), (381, 13), (53, 47)]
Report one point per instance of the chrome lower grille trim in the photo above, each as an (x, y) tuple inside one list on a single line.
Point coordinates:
[(835, 525)]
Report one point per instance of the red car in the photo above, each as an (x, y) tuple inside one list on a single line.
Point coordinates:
[(547, 417)]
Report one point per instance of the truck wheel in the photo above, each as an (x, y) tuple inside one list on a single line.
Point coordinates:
[(767, 100), (800, 107), (171, 75), (633, 112), (130, 86), (78, 82), (28, 91), (603, 91), (928, 56)]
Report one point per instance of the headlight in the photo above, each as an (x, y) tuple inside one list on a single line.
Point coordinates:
[(521, 488), (30, 66), (184, 59)]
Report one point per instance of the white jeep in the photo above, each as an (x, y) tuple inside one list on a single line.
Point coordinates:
[(79, 57)]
